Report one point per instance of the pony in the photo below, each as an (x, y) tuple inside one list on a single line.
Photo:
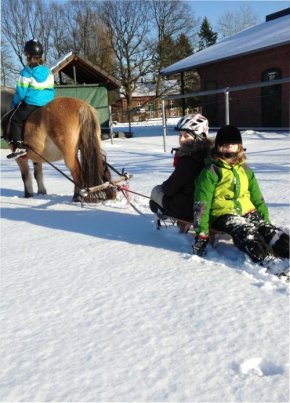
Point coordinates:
[(68, 129)]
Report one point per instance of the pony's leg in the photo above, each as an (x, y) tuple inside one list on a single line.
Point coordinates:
[(38, 175), (74, 166), (26, 176)]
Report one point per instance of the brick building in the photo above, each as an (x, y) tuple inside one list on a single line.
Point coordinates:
[(145, 104), (257, 55)]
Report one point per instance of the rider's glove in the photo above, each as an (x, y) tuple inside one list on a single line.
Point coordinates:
[(199, 247)]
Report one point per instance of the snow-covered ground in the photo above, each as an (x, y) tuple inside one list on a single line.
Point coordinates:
[(99, 306)]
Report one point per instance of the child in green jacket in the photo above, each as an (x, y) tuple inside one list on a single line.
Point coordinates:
[(228, 198)]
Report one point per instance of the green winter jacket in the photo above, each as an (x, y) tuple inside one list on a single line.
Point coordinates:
[(224, 189)]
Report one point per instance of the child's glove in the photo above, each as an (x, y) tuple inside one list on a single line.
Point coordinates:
[(199, 248)]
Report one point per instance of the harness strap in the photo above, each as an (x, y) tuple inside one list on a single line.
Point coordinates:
[(123, 173)]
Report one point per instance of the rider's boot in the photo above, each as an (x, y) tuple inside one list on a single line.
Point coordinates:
[(19, 151)]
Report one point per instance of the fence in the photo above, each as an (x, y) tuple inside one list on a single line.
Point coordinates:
[(262, 104), (254, 105)]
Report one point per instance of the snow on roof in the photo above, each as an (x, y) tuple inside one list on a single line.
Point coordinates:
[(267, 35), (74, 65), (56, 63)]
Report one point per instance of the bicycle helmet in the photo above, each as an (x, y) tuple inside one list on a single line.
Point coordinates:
[(33, 48), (196, 125)]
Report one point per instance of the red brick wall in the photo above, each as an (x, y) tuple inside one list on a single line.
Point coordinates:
[(245, 106)]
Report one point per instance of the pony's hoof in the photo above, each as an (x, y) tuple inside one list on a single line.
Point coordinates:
[(27, 195), (78, 199)]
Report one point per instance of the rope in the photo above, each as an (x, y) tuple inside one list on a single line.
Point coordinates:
[(7, 114), (53, 166), (123, 173), (123, 188)]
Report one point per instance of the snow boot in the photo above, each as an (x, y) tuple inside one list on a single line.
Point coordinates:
[(280, 246)]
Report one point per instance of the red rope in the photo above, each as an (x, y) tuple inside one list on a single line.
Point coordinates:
[(126, 189)]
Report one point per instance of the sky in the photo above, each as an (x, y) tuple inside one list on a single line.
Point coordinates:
[(214, 9), (97, 305)]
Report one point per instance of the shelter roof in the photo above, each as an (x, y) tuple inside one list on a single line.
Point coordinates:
[(84, 71), (269, 34)]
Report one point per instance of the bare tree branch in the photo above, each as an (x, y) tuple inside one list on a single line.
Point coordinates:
[(231, 23), (129, 29)]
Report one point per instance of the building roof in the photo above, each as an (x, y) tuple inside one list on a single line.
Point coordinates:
[(86, 72), (269, 34)]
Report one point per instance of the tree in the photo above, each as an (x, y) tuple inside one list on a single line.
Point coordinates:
[(206, 35), (171, 18), (128, 28), (231, 23), (183, 50), (23, 20), (60, 27), (183, 47), (60, 34), (8, 73), (87, 33)]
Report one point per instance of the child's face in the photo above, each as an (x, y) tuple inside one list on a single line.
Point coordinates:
[(229, 148), (185, 138)]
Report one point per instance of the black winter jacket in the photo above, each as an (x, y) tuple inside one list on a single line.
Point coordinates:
[(179, 187)]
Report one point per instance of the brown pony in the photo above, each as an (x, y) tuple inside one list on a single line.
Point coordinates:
[(63, 129)]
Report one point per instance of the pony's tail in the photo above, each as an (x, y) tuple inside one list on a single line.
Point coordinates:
[(94, 170)]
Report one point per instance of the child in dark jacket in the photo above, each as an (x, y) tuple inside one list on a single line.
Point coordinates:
[(35, 88), (174, 197), (228, 198)]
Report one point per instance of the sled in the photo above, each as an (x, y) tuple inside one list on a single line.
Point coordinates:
[(107, 185), (186, 227)]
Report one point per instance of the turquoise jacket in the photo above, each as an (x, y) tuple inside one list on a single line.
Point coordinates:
[(224, 189), (35, 86)]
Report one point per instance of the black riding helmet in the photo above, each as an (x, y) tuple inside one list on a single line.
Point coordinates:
[(33, 48)]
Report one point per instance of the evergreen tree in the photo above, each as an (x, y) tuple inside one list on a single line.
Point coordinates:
[(183, 47), (167, 47), (175, 50), (206, 35)]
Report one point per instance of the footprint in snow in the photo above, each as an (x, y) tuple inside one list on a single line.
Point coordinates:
[(259, 367)]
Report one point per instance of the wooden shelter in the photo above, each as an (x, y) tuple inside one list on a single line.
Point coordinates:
[(78, 78)]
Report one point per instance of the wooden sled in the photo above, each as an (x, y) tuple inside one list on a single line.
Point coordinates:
[(106, 185), (186, 227)]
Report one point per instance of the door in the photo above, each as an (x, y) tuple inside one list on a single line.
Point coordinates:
[(271, 99)]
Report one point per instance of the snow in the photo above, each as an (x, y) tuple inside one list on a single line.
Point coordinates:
[(59, 61), (266, 35), (97, 305)]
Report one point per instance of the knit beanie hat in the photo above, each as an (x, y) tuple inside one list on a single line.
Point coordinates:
[(228, 135)]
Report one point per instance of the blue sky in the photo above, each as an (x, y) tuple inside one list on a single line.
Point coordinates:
[(214, 9)]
